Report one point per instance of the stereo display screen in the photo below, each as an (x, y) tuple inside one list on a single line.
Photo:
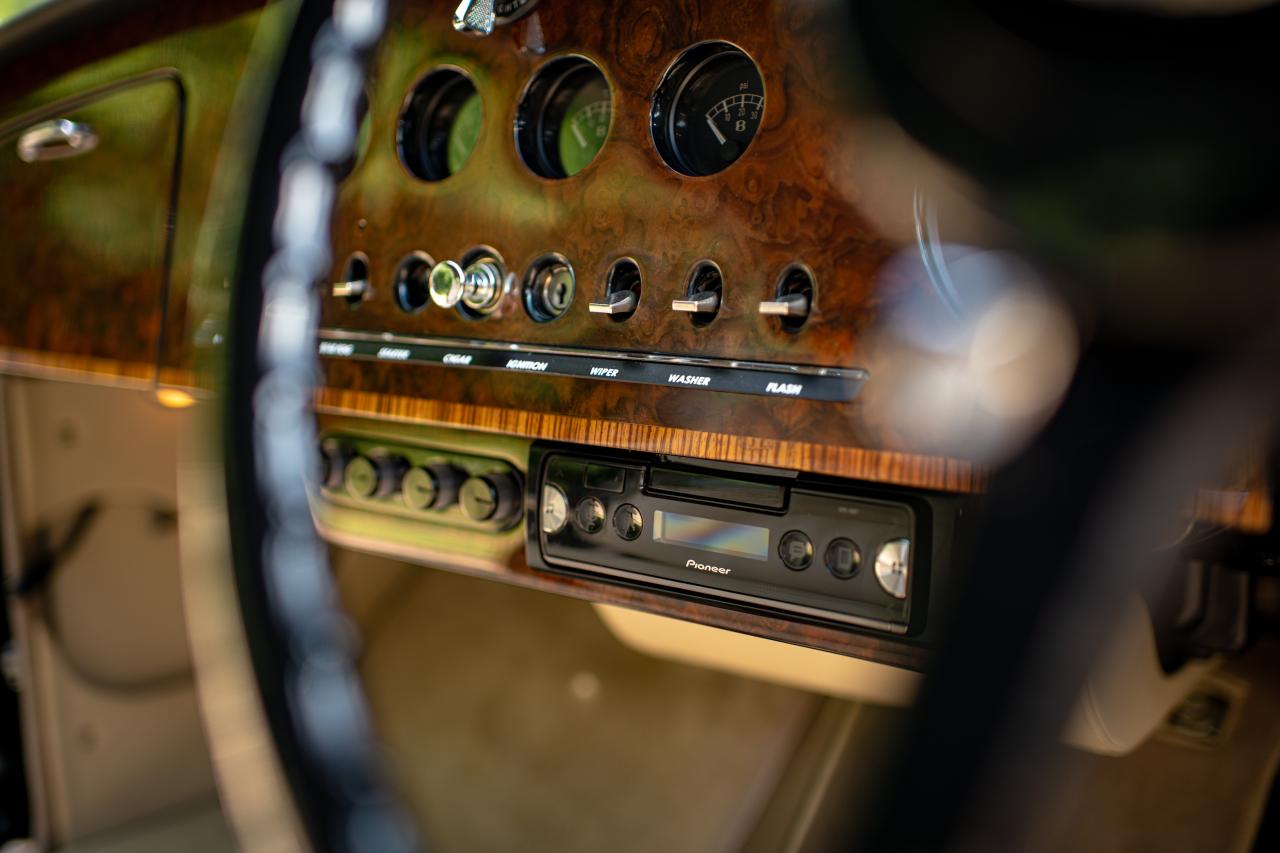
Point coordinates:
[(707, 534)]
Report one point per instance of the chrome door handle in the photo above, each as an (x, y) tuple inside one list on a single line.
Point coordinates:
[(56, 139)]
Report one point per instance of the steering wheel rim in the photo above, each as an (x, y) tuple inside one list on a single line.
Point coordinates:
[(299, 642)]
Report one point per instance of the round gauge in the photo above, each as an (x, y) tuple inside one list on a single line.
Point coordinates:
[(563, 117), (707, 109), (506, 11), (439, 125)]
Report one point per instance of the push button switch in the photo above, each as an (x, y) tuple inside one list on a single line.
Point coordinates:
[(796, 551), (843, 558), (628, 522), (590, 515)]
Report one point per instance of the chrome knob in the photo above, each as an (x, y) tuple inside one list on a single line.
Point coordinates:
[(445, 284), (474, 17), (482, 285), (705, 302), (492, 497), (790, 305), (893, 566), (432, 486), (555, 509), (617, 303), (479, 286)]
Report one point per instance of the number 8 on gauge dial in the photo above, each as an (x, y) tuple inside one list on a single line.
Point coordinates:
[(707, 109)]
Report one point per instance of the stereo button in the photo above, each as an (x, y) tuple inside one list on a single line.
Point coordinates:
[(843, 558), (796, 551), (628, 522), (590, 515)]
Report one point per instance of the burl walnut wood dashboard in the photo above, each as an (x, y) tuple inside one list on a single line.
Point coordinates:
[(468, 178), (772, 210)]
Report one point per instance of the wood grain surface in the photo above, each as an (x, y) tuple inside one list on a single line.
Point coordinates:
[(776, 206), (101, 263), (925, 472)]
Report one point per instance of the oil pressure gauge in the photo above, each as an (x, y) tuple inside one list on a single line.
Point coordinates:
[(707, 109)]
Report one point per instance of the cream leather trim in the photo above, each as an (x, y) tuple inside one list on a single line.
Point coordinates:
[(1125, 699)]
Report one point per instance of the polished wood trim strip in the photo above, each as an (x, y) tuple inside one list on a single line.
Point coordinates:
[(905, 469), (91, 369), (1249, 511)]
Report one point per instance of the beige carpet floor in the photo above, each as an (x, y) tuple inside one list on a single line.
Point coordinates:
[(1173, 796), (514, 721)]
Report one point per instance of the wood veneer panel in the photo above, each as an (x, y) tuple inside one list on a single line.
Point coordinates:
[(777, 205), (927, 472)]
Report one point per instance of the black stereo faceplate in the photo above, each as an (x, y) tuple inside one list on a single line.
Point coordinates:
[(746, 567)]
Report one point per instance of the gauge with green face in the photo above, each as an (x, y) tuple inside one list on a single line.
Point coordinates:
[(464, 132), (440, 125), (563, 118), (585, 125)]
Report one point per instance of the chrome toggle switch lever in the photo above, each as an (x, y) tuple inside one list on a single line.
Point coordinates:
[(352, 291), (790, 305), (617, 303), (697, 303), (475, 17)]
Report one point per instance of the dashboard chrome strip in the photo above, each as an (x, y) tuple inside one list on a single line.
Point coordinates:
[(807, 382)]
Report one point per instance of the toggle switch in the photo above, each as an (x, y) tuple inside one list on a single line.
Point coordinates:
[(697, 303), (794, 305), (616, 304)]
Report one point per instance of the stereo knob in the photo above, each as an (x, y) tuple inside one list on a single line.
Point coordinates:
[(492, 497), (893, 566), (374, 476), (555, 509), (334, 456), (432, 486)]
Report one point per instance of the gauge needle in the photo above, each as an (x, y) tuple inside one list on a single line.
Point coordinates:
[(578, 133), (712, 124)]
